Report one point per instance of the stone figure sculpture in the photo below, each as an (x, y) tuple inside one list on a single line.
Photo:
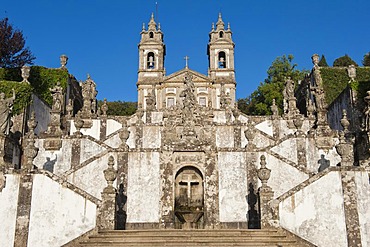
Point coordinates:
[(6, 107), (367, 111), (57, 93)]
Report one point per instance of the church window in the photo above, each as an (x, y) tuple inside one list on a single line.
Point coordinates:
[(170, 90), (150, 60), (170, 101), (151, 35), (222, 60), (221, 34), (202, 101), (202, 90)]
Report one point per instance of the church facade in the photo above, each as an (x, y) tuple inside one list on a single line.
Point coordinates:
[(187, 159)]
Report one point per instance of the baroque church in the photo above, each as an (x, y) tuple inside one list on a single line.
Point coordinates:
[(188, 168)]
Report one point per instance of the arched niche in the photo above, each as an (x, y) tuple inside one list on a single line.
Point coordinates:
[(189, 197)]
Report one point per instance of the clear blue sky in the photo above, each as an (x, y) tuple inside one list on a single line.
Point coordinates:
[(100, 37)]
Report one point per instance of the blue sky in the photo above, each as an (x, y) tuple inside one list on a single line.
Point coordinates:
[(100, 37)]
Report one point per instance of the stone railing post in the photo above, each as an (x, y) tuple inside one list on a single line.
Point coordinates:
[(107, 209), (268, 217)]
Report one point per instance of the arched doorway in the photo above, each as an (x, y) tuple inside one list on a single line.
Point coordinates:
[(189, 198)]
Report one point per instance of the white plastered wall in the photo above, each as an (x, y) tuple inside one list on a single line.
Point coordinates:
[(58, 214)]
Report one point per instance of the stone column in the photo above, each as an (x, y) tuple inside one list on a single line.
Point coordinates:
[(268, 215), (350, 207), (23, 210), (211, 197), (167, 198), (107, 209), (25, 187)]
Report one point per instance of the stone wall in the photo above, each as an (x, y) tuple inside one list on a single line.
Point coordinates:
[(343, 101), (58, 216), (8, 210), (316, 212), (143, 191), (233, 186), (363, 203)]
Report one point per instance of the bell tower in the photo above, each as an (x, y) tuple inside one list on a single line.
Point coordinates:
[(220, 53), (152, 51)]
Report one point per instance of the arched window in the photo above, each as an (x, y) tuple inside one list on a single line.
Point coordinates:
[(221, 60), (150, 60), (151, 35), (221, 34)]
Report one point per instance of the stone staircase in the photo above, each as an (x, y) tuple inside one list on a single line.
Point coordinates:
[(190, 238)]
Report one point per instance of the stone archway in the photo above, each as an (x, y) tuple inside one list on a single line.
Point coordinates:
[(189, 198)]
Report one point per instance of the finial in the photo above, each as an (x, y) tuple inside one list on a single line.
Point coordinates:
[(63, 61), (228, 26), (143, 28), (220, 24), (159, 26), (152, 25), (88, 76), (186, 61), (213, 26)]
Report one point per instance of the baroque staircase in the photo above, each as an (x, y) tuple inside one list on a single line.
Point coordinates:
[(235, 237)]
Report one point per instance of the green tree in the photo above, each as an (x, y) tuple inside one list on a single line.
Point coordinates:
[(259, 102), (322, 62), (344, 61), (366, 60), (120, 108), (12, 51)]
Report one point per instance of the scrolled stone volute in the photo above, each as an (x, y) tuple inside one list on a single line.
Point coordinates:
[(110, 175)]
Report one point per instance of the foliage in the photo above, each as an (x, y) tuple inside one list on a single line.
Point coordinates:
[(322, 62), (335, 80), (12, 51), (259, 102), (366, 60), (363, 79), (120, 108), (344, 61), (41, 79), (22, 96)]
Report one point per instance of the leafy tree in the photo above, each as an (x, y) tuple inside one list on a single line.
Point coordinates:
[(366, 60), (344, 61), (259, 102), (12, 51), (120, 108), (322, 62)]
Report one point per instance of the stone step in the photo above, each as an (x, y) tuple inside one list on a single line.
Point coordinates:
[(189, 238)]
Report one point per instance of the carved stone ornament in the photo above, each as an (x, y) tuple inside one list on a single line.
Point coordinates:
[(124, 134), (315, 59), (249, 134), (25, 73), (274, 109), (345, 150), (351, 70), (78, 124), (2, 181), (104, 107), (63, 61), (344, 121), (264, 174), (6, 108), (30, 150), (110, 175), (69, 108)]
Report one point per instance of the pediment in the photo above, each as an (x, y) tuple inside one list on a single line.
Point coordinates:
[(179, 76)]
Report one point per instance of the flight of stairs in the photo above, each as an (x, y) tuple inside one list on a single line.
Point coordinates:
[(189, 238)]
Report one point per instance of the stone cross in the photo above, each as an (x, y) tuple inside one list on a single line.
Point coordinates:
[(188, 180), (186, 61)]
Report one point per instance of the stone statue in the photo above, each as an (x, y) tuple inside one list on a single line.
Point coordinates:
[(6, 107), (289, 88), (367, 111), (274, 108), (57, 93)]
